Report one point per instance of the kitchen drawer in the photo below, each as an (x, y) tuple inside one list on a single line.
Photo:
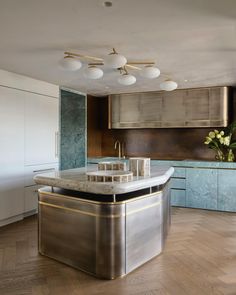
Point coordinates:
[(179, 172), (31, 171), (178, 197), (31, 198), (179, 183)]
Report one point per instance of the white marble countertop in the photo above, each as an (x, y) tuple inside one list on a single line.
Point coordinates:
[(76, 179)]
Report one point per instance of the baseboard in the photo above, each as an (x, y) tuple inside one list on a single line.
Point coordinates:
[(11, 219), (30, 213), (17, 217)]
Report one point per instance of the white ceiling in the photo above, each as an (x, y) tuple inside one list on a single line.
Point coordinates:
[(189, 40)]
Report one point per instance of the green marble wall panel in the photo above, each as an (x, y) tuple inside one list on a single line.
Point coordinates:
[(201, 188), (227, 190), (73, 131)]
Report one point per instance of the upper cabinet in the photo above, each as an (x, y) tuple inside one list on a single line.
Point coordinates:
[(202, 107)]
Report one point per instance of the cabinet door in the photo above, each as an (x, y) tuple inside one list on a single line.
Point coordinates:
[(173, 109), (201, 188), (197, 105), (12, 152), (151, 109), (227, 190), (41, 129), (130, 109), (178, 197)]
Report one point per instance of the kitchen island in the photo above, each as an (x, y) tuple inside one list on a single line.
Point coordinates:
[(104, 228)]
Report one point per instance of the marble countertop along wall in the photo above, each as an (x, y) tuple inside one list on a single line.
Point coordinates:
[(76, 179), (176, 163)]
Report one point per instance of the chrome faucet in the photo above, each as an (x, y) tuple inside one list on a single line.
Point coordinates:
[(119, 147)]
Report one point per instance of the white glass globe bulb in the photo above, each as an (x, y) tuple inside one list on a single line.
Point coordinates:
[(115, 60), (127, 79), (93, 72), (150, 72), (168, 85), (69, 63)]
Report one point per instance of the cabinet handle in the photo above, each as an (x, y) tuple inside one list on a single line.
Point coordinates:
[(56, 144), (42, 170)]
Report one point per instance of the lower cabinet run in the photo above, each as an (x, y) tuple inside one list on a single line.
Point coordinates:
[(106, 239), (204, 188)]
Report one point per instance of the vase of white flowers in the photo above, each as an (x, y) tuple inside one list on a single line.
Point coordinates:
[(222, 143)]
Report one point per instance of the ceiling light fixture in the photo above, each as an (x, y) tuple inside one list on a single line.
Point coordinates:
[(92, 72), (71, 62), (168, 85)]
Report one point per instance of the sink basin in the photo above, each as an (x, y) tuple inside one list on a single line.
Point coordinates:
[(110, 176)]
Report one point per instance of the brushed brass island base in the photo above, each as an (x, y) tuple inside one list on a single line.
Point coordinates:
[(97, 235)]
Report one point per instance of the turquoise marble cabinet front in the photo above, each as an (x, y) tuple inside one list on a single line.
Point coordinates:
[(201, 188), (227, 190)]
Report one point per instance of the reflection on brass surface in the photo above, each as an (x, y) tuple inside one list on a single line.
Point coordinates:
[(99, 215), (105, 240), (156, 109)]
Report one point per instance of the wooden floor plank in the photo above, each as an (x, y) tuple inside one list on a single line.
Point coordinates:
[(199, 259)]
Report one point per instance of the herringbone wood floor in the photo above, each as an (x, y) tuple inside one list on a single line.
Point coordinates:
[(199, 259)]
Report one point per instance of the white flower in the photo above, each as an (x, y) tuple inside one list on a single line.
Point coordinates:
[(212, 134), (227, 140), (222, 133), (222, 140), (218, 136), (216, 131), (208, 140)]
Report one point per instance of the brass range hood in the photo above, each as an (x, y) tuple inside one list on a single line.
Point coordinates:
[(182, 108)]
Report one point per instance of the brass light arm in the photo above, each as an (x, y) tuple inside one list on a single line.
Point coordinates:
[(83, 56), (133, 67), (135, 62), (96, 64)]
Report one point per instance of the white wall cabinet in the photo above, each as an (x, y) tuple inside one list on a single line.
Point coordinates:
[(28, 124), (41, 129), (12, 153)]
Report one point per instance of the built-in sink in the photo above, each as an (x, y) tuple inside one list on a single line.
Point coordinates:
[(110, 176)]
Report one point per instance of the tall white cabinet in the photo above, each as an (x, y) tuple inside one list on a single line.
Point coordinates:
[(28, 141), (41, 129), (12, 152)]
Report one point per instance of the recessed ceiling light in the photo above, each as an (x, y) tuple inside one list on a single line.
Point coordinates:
[(107, 3), (185, 80)]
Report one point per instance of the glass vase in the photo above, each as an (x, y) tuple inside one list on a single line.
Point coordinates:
[(220, 155), (230, 156)]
